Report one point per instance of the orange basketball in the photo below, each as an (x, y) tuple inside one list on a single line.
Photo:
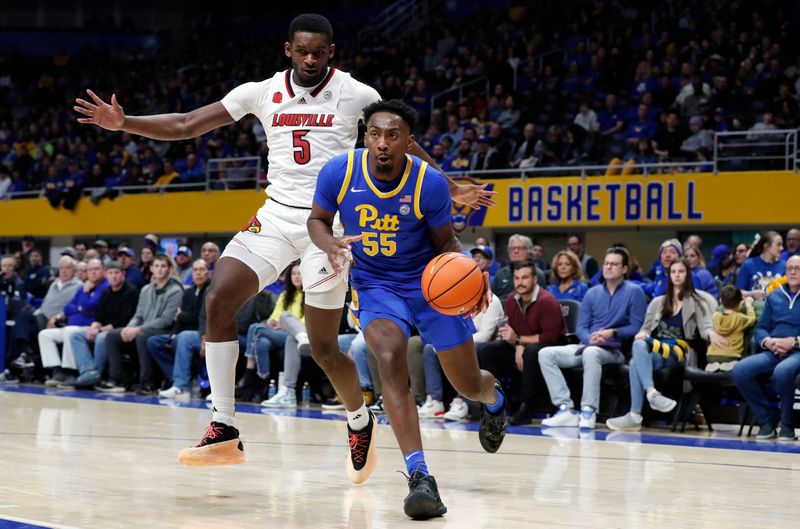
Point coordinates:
[(452, 283)]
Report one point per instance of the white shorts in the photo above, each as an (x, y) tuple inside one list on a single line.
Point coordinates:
[(276, 236)]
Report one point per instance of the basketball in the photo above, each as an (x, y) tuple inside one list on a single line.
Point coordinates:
[(452, 283)]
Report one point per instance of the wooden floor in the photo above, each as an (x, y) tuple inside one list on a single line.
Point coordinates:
[(79, 462)]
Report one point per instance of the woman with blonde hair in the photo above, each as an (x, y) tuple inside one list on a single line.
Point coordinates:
[(568, 277)]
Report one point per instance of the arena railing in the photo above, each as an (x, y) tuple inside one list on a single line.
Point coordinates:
[(584, 171), (460, 89), (756, 149)]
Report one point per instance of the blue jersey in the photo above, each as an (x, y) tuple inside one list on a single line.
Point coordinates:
[(394, 218)]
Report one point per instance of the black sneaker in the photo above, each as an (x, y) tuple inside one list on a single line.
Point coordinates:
[(523, 417), (220, 445), (493, 425), (248, 385), (787, 434), (146, 389), (423, 499), (377, 408), (24, 360), (363, 454), (110, 386), (333, 404), (8, 377)]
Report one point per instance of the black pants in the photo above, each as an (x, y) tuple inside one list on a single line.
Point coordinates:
[(115, 346), (497, 357)]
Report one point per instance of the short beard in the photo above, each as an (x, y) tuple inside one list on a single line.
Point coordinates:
[(385, 169)]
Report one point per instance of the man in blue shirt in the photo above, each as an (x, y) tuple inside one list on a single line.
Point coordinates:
[(611, 313), (778, 336), (396, 213)]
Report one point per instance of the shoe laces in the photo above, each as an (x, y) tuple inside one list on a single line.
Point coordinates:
[(211, 434), (359, 441)]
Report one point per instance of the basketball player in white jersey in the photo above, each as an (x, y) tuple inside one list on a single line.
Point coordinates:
[(310, 114)]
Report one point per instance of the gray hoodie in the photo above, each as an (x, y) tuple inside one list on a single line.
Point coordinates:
[(157, 307)]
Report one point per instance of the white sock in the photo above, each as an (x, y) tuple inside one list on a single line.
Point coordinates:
[(359, 419), (221, 360)]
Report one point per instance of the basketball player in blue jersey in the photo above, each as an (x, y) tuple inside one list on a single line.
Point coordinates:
[(396, 212), (310, 113)]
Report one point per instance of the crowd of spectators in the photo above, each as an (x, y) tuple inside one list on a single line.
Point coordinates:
[(115, 330), (626, 82)]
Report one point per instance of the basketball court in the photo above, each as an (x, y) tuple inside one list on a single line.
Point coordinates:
[(77, 459)]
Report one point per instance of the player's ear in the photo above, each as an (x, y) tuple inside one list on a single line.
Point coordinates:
[(332, 52), (410, 142), (287, 49)]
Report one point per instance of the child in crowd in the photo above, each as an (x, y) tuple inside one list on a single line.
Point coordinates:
[(731, 324)]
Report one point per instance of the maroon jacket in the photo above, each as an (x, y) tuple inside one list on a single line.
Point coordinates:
[(543, 317)]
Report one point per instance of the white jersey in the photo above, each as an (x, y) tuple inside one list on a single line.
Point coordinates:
[(305, 127)]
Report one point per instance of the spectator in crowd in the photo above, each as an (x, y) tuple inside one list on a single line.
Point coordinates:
[(289, 317), (767, 123), (80, 251), (209, 252), (777, 337), (673, 322), (692, 241), (575, 244), (146, 257), (702, 278), (133, 274), (699, 138), (50, 314), (741, 253), (37, 276), (173, 352), (537, 253), (454, 131), (79, 313), (158, 303), (524, 153), (669, 251), (183, 263), (167, 176), (586, 118), (610, 120), (520, 249), (792, 244), (116, 307), (533, 321), (669, 138), (81, 271), (611, 313), (194, 171), (101, 247), (480, 160), (568, 275), (12, 287), (483, 257), (764, 268), (732, 324), (642, 128), (462, 159), (550, 151), (725, 269)]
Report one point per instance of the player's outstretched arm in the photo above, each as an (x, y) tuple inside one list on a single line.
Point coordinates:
[(111, 116), (473, 195)]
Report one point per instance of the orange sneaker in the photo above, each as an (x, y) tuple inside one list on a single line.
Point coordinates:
[(220, 446), (362, 456)]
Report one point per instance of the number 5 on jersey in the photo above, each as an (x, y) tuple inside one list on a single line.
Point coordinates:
[(302, 148), (379, 242)]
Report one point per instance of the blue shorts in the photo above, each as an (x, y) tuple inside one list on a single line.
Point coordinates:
[(408, 308)]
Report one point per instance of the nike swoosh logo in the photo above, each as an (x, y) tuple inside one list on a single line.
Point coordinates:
[(354, 190)]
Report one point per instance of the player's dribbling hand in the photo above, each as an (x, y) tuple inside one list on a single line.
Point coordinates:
[(109, 117), (483, 304), (340, 251), (473, 195)]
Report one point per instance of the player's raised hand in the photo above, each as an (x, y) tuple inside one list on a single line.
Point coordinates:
[(340, 252), (483, 304), (473, 195), (105, 115)]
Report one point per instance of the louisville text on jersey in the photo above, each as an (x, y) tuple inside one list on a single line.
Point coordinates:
[(302, 120)]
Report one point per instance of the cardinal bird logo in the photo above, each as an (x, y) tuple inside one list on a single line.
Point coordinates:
[(277, 97), (254, 226)]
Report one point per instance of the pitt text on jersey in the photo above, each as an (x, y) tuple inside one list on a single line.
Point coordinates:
[(383, 239)]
